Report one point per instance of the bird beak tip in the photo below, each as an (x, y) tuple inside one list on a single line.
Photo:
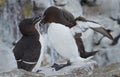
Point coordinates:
[(112, 38), (36, 19)]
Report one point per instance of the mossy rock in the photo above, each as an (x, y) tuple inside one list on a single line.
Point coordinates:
[(2, 2), (26, 10)]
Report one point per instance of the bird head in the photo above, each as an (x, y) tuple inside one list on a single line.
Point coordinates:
[(27, 26), (51, 14), (57, 15)]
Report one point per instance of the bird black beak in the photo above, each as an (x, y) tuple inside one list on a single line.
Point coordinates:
[(36, 19), (41, 21)]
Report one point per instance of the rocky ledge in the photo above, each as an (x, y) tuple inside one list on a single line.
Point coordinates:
[(112, 70)]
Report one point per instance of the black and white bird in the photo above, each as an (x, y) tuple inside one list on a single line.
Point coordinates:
[(61, 30), (27, 49)]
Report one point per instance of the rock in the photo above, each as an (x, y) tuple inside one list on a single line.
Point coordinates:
[(20, 73), (79, 68), (112, 70), (7, 59)]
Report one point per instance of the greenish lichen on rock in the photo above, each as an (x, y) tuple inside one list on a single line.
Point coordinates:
[(2, 2)]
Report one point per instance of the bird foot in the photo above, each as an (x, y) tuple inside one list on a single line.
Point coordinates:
[(60, 66), (88, 54)]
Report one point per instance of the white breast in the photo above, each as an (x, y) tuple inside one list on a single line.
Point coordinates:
[(63, 41)]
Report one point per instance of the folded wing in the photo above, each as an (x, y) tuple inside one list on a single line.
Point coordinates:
[(84, 25)]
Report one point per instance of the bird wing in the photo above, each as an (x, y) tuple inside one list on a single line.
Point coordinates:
[(103, 31), (84, 25)]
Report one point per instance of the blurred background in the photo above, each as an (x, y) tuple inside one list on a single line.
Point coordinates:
[(105, 12)]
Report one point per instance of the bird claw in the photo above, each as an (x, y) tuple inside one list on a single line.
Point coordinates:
[(59, 66)]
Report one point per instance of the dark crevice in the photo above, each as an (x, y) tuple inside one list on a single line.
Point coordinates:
[(115, 41)]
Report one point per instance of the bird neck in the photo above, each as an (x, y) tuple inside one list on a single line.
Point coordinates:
[(34, 35)]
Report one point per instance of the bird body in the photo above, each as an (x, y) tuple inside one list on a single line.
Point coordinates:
[(27, 49), (56, 15), (61, 30)]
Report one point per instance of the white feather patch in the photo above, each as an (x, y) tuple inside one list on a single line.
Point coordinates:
[(85, 25), (75, 30), (63, 41)]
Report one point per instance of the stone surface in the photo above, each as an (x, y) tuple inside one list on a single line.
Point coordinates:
[(20, 73), (82, 67), (10, 16), (112, 70)]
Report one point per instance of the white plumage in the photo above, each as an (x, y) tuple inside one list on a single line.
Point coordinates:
[(63, 42), (82, 27), (82, 24)]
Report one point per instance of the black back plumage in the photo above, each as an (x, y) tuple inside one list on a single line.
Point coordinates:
[(27, 49)]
